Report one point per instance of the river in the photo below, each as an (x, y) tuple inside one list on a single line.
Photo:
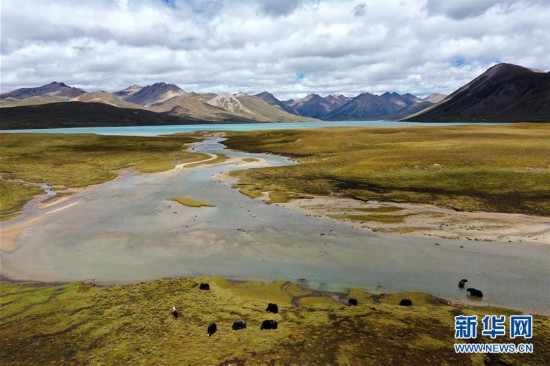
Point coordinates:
[(126, 231)]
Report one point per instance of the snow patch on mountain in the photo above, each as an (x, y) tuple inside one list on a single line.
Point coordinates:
[(228, 102)]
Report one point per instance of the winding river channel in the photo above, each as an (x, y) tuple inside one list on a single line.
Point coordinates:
[(127, 231)]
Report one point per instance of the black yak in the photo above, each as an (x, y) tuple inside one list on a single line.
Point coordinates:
[(462, 283), (405, 302), (474, 292), (269, 324), (212, 328), (204, 286), (352, 302), (175, 312), (272, 308), (241, 324)]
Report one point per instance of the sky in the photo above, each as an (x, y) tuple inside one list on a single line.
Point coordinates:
[(290, 48)]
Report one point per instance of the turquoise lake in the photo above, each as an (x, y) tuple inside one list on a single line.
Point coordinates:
[(164, 130)]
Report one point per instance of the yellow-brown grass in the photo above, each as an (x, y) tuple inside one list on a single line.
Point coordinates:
[(131, 324), (485, 168)]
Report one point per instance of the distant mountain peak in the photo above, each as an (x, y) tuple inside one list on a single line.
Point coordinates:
[(58, 83), (504, 92), (503, 66), (228, 102), (505, 70), (153, 94), (367, 106), (54, 89), (268, 98), (128, 91), (313, 95), (162, 84), (272, 100), (336, 101), (315, 106)]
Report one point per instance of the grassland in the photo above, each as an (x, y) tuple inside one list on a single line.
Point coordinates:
[(386, 219), (220, 158), (190, 202), (13, 196), (473, 168), (82, 324), (80, 160)]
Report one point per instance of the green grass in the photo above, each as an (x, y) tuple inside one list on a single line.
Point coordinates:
[(385, 219), (191, 203), (13, 195), (283, 197), (483, 168), (80, 160), (220, 158), (379, 209), (250, 160), (131, 324)]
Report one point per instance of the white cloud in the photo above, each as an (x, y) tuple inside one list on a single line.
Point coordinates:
[(212, 45)]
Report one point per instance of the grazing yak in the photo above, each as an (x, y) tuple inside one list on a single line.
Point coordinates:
[(212, 328), (175, 312), (241, 324), (352, 302), (474, 292), (462, 283), (272, 308), (405, 302), (204, 286), (269, 324)]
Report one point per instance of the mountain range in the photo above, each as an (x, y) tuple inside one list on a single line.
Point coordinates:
[(504, 92), (52, 106), (316, 106), (386, 106)]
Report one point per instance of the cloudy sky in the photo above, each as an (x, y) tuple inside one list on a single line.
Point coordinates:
[(291, 47)]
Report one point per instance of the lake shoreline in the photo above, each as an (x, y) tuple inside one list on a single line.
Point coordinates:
[(173, 129)]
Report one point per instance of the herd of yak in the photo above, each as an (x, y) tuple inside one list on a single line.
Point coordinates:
[(273, 308), (241, 324)]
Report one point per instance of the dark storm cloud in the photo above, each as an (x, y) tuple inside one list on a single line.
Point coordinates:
[(472, 8), (460, 9), (359, 10), (277, 7)]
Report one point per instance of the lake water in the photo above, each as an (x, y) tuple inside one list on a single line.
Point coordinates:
[(165, 130)]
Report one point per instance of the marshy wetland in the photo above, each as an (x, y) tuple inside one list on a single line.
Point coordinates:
[(471, 168), (129, 229), (80, 323)]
